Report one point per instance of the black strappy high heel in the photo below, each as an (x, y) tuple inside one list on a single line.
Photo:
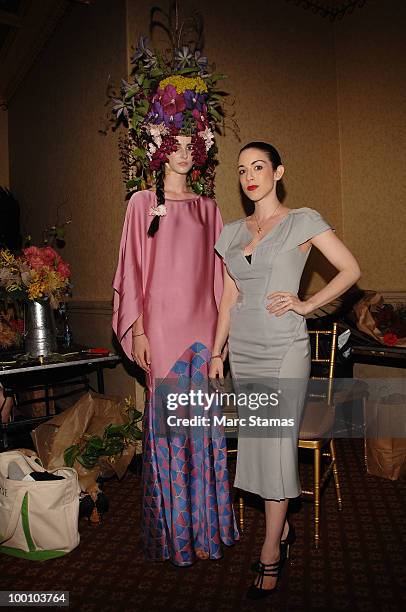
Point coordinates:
[(287, 543), (285, 546), (263, 570)]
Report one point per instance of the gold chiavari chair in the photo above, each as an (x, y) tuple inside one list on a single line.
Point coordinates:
[(317, 424)]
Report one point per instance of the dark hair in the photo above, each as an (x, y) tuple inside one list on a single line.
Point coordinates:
[(160, 198), (271, 152)]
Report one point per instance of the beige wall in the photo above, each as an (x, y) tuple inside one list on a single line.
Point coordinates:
[(371, 52), (4, 165)]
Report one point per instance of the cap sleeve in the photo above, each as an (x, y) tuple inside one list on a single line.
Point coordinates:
[(224, 240), (308, 223)]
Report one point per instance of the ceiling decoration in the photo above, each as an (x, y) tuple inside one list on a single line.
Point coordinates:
[(330, 9)]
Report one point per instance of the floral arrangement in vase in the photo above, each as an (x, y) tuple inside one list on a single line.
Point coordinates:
[(37, 273)]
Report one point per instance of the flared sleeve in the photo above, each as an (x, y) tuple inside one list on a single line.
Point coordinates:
[(128, 282)]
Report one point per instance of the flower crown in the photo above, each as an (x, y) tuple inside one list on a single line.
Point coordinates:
[(168, 96)]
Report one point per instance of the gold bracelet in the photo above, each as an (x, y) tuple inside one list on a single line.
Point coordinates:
[(136, 335), (214, 357)]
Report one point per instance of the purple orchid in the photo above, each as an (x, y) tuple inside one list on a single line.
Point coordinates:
[(156, 115), (194, 100), (176, 120)]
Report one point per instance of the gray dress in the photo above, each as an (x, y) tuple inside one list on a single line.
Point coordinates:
[(263, 346)]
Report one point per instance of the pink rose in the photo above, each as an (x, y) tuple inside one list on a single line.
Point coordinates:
[(34, 257), (63, 269), (50, 257)]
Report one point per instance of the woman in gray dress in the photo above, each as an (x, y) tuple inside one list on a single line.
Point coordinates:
[(263, 319)]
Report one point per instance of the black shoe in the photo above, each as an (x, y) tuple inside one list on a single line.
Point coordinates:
[(287, 543), (285, 548), (256, 591)]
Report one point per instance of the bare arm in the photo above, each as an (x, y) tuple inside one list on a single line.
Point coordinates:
[(348, 273), (140, 346), (228, 299), (138, 325)]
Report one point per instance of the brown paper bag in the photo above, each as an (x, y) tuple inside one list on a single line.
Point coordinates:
[(386, 455), (365, 321), (91, 414)]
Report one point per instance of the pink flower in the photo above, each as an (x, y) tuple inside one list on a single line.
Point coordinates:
[(50, 257), (63, 269), (34, 257)]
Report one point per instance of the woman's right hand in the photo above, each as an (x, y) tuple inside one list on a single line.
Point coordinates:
[(216, 373), (141, 352)]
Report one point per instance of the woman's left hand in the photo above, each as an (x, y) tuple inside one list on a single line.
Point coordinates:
[(282, 301)]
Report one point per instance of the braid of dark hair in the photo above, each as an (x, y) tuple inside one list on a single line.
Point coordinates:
[(160, 196)]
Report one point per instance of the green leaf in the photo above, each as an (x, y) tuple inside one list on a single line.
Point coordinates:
[(71, 454), (131, 92), (186, 70), (139, 152), (156, 73), (214, 113)]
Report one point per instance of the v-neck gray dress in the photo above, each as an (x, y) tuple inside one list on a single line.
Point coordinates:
[(265, 347)]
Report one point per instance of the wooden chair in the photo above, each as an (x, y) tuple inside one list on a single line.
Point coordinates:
[(317, 423), (231, 434)]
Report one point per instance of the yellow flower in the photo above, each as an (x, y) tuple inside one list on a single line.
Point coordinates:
[(35, 291), (182, 83), (7, 257)]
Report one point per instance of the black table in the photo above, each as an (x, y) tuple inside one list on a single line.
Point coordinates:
[(45, 374), (391, 356)]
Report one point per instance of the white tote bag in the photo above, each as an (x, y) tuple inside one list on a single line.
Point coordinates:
[(38, 519)]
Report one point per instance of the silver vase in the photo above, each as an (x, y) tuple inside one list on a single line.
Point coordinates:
[(40, 328)]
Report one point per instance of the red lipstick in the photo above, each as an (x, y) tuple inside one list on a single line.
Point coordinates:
[(252, 187)]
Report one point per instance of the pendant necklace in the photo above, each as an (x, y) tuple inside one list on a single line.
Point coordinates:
[(259, 230)]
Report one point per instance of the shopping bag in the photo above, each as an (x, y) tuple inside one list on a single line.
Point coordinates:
[(38, 519)]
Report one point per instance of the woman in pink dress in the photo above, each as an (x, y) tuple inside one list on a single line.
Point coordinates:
[(168, 286)]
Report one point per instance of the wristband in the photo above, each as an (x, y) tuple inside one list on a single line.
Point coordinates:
[(136, 335), (214, 357)]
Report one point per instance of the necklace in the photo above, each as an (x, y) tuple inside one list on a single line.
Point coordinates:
[(259, 230)]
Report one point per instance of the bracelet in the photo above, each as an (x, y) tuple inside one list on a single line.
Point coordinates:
[(214, 357), (136, 335)]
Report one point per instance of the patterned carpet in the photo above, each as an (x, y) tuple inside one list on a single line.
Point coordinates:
[(360, 564)]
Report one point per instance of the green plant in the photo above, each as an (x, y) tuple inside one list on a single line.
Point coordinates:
[(115, 439)]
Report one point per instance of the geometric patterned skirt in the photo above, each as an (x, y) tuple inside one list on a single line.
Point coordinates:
[(186, 493)]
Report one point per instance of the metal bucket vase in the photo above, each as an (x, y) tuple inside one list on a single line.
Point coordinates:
[(40, 328)]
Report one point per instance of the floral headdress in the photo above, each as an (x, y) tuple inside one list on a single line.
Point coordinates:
[(168, 94)]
